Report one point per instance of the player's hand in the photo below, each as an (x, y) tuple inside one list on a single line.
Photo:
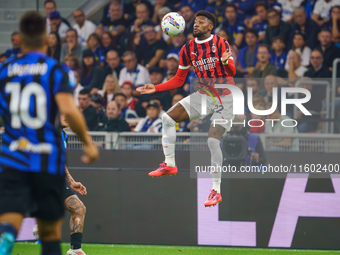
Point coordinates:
[(91, 153), (147, 89), (79, 188), (227, 54)]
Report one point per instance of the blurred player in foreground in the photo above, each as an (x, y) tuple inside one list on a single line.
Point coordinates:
[(211, 57), (32, 157)]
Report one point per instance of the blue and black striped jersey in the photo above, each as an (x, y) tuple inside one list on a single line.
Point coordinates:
[(31, 141)]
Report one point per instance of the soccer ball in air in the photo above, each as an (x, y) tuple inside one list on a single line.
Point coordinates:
[(173, 24)]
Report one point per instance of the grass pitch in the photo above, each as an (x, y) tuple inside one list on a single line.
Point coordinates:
[(29, 248)]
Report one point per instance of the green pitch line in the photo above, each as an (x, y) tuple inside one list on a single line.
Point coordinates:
[(29, 248)]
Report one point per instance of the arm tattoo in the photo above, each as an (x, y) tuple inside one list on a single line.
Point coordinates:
[(68, 177)]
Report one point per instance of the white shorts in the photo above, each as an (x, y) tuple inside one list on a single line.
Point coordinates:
[(222, 114)]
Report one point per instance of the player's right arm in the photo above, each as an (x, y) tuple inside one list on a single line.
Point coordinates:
[(175, 82), (63, 86), (76, 120)]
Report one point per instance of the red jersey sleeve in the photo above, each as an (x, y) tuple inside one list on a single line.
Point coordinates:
[(184, 60), (230, 67)]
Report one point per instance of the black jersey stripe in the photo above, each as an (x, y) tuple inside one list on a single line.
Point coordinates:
[(11, 156)]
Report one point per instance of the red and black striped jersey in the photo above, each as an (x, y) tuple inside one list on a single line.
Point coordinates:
[(205, 56)]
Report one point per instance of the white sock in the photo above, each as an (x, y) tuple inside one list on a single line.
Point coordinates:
[(169, 139), (216, 160)]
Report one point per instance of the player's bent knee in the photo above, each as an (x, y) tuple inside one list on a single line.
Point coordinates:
[(49, 230), (167, 120)]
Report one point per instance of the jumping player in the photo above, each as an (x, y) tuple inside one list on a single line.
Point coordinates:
[(211, 57), (32, 157)]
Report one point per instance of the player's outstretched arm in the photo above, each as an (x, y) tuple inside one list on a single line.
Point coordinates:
[(67, 106), (147, 89), (175, 82)]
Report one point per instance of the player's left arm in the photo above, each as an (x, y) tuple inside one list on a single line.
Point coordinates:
[(75, 186), (227, 58)]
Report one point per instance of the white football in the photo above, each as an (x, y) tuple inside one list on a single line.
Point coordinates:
[(173, 24)]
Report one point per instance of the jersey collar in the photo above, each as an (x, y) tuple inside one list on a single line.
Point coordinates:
[(204, 41)]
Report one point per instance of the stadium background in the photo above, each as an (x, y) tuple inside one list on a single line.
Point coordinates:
[(125, 206)]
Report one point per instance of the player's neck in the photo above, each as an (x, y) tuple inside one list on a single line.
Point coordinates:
[(28, 49), (203, 37)]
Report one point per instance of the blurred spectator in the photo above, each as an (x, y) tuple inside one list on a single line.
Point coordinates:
[(142, 18), (275, 127), (158, 4), (3, 57), (97, 102), (126, 112), (15, 41), (270, 82), (107, 41), (130, 9), (78, 87), (300, 47), (309, 6), (234, 26), (113, 121), (276, 27), (288, 7), (57, 25), (328, 48), (157, 77), (194, 4), (160, 35), (155, 99), (219, 6), (257, 120), (254, 85), (152, 52), (310, 123), (177, 43), (247, 56), (278, 57), (245, 8), (182, 125), (133, 71), (296, 69), (72, 62), (334, 24), (54, 46), (172, 63), (263, 67), (115, 23), (94, 44), (224, 34), (274, 4), (189, 17), (50, 6), (72, 46), (151, 123), (127, 89), (259, 21), (306, 25), (84, 27), (317, 69), (321, 11), (87, 109), (110, 88), (113, 63), (92, 75)]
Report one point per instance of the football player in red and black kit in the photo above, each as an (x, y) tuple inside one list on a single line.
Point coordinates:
[(211, 57)]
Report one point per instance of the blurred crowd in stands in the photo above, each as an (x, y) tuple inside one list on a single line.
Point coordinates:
[(274, 43)]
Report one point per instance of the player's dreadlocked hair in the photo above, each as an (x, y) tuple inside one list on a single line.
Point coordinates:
[(210, 16)]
